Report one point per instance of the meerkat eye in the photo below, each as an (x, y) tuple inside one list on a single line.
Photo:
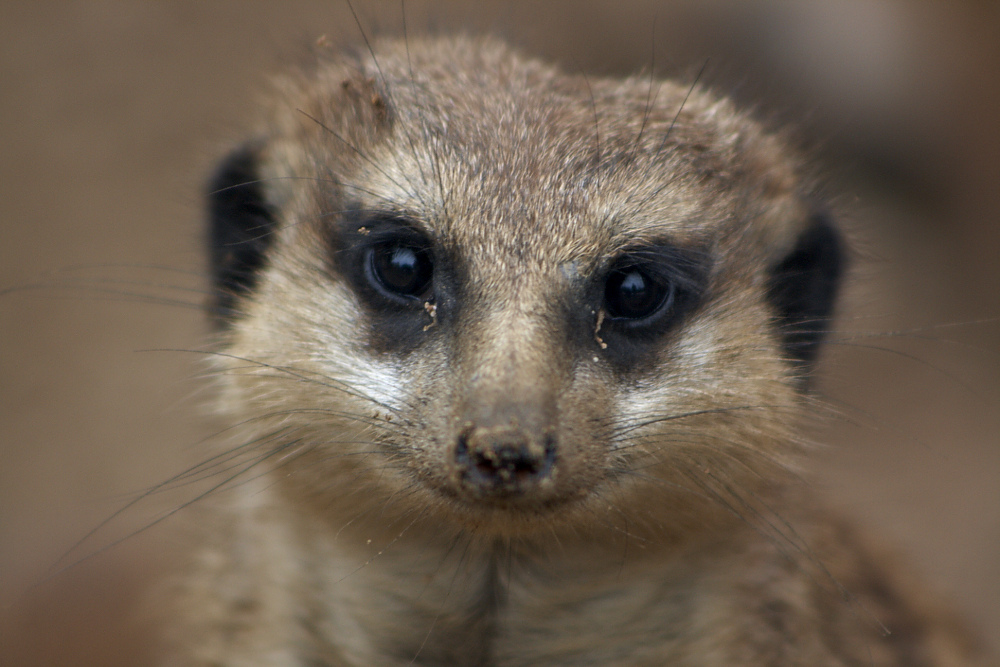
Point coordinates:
[(399, 269), (632, 293)]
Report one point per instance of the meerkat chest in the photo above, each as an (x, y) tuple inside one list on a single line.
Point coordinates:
[(452, 610)]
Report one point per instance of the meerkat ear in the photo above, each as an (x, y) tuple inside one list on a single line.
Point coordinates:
[(803, 289), (241, 226)]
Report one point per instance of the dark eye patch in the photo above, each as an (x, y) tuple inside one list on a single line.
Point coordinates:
[(647, 285), (644, 293), (387, 258), (392, 266)]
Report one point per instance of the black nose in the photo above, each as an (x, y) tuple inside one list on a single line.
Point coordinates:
[(503, 461)]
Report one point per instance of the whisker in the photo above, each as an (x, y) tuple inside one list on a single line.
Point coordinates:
[(359, 152), (328, 382), (629, 428), (381, 551), (106, 294), (914, 358), (55, 571)]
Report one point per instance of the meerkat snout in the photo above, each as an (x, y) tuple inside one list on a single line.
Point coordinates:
[(504, 461), (505, 448)]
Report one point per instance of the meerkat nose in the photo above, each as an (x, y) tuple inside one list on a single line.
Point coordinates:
[(503, 460)]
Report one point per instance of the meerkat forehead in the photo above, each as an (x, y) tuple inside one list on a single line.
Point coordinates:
[(513, 160)]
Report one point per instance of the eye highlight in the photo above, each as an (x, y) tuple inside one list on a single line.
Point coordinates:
[(632, 293), (399, 269)]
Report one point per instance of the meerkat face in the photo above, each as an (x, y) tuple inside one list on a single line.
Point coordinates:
[(459, 282)]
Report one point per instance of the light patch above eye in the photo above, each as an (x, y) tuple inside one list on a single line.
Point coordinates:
[(570, 270)]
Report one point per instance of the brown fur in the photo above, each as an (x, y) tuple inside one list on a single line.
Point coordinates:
[(674, 528)]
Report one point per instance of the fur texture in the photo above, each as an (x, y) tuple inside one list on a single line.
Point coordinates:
[(515, 360)]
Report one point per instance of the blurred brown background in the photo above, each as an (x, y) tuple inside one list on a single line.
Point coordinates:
[(112, 112)]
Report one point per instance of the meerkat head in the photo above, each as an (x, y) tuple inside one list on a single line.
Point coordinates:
[(456, 282)]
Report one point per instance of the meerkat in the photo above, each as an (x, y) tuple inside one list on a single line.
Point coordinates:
[(514, 362)]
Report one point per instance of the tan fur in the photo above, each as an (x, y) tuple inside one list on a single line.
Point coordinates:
[(673, 541)]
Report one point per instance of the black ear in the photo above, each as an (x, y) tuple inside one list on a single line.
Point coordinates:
[(241, 225), (803, 289)]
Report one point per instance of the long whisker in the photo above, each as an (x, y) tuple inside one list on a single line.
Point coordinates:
[(300, 374), (56, 571), (623, 430), (364, 156)]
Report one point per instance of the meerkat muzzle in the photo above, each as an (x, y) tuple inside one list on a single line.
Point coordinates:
[(503, 461)]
